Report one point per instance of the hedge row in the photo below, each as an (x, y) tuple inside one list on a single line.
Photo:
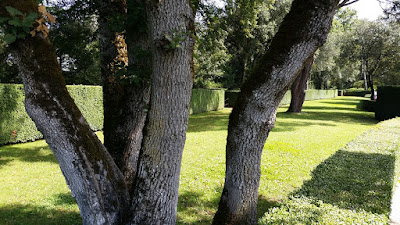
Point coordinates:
[(16, 126), (204, 100), (388, 102), (356, 92), (231, 96)]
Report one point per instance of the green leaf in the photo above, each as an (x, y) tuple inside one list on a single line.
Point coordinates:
[(10, 38), (26, 30), (21, 36), (2, 20), (15, 22), (13, 11), (28, 20)]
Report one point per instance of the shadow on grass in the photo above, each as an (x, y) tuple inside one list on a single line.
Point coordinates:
[(352, 180), (200, 211), (31, 154), (37, 215), (63, 199), (313, 115)]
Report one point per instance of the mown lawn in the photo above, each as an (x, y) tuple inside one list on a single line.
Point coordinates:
[(33, 191)]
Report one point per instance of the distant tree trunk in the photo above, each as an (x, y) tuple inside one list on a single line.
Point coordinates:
[(299, 86), (364, 73), (254, 114), (371, 84)]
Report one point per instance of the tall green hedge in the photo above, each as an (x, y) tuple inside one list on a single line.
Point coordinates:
[(311, 94), (388, 102), (16, 125), (204, 100)]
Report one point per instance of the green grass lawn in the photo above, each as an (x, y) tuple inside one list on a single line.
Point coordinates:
[(33, 190)]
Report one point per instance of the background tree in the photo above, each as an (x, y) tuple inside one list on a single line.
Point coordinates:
[(75, 37)]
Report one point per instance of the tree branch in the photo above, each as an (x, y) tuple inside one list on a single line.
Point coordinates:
[(346, 3)]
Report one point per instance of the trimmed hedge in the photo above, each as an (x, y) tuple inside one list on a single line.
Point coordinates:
[(366, 105), (387, 103), (16, 125), (356, 92), (204, 100), (312, 94)]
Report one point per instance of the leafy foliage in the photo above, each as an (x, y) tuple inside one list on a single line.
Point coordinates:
[(232, 38), (18, 25)]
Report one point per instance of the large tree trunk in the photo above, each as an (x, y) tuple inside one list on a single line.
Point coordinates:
[(125, 99), (299, 86), (94, 179), (155, 194), (303, 30), (151, 142)]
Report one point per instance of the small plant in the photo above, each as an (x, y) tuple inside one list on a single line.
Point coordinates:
[(174, 39), (18, 25)]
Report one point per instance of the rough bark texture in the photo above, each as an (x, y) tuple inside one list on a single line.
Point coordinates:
[(303, 30), (156, 187), (94, 179), (299, 86), (125, 101)]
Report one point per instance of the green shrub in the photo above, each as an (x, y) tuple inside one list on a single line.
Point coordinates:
[(89, 100), (16, 125), (388, 102), (204, 100), (356, 92), (366, 105)]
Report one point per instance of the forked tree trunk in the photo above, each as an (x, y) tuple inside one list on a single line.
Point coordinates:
[(125, 100), (303, 30), (94, 179), (299, 86)]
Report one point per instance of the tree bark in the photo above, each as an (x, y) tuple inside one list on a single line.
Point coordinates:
[(155, 194), (299, 86), (125, 100), (90, 172), (303, 30)]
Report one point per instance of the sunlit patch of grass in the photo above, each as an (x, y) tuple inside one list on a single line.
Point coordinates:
[(33, 190), (297, 144), (352, 186)]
